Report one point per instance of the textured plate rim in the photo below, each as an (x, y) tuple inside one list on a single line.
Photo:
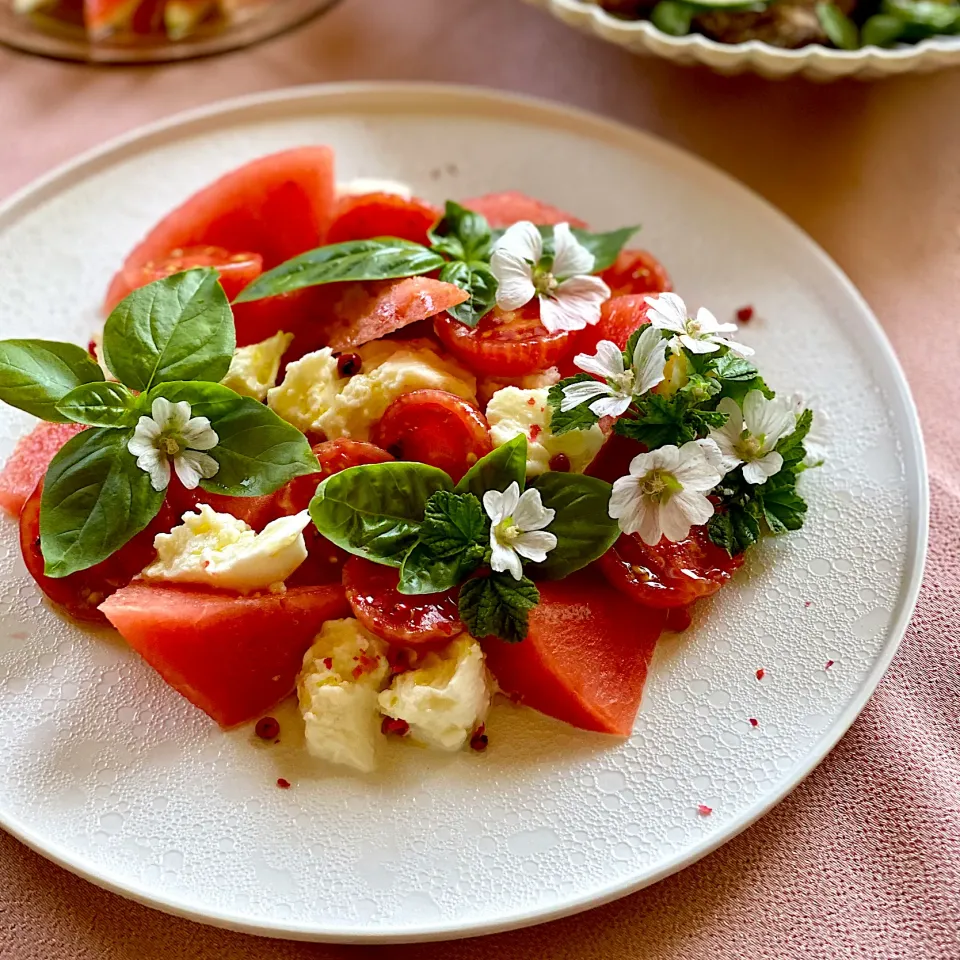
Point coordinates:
[(378, 96)]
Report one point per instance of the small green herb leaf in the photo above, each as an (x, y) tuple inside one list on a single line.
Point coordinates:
[(477, 280), (178, 328), (881, 30), (461, 234), (35, 375), (731, 367), (580, 417), (672, 17), (498, 606), (423, 572), (498, 469), (385, 258), (668, 420), (923, 18), (791, 446), (839, 28), (95, 498), (375, 510), (100, 404), (452, 522)]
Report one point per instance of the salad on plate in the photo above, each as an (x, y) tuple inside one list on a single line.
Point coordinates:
[(396, 458)]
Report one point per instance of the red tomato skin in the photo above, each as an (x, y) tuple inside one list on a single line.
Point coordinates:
[(670, 574), (435, 427), (637, 272), (506, 208), (620, 317), (503, 344), (81, 593), (409, 621), (233, 657), (585, 657), (277, 206), (613, 460), (371, 215), (29, 461)]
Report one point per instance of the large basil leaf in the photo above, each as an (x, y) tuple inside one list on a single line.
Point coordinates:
[(95, 498), (102, 404), (385, 258), (582, 526), (35, 375), (461, 234), (498, 469), (605, 247), (258, 452), (374, 510), (178, 328)]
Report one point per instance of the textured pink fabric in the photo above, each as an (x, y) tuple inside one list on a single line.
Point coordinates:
[(862, 862)]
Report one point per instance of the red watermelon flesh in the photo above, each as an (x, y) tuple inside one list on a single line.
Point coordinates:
[(233, 657), (507, 208), (29, 461), (382, 215), (585, 657), (102, 17), (278, 206)]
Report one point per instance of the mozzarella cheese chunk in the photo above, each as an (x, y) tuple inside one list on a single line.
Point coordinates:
[(218, 550), (488, 386), (315, 398), (254, 368), (446, 698), (512, 411), (342, 674), (361, 185)]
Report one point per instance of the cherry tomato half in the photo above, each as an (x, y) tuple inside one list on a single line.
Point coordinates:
[(504, 344), (669, 574), (636, 271), (435, 427), (396, 617)]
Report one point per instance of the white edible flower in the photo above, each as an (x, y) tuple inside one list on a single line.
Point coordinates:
[(646, 371), (570, 298), (665, 492), (669, 312), (171, 434), (516, 528), (750, 436)]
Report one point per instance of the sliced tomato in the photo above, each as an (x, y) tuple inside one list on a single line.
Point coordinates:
[(368, 311), (81, 593), (276, 206), (619, 318), (382, 215), (613, 460), (233, 657), (636, 272), (584, 659), (504, 344), (29, 461), (435, 427), (669, 574), (396, 617), (506, 208)]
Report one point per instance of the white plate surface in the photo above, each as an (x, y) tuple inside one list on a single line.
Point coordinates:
[(107, 771)]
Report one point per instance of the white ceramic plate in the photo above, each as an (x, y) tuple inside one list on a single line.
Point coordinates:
[(107, 771), (814, 61)]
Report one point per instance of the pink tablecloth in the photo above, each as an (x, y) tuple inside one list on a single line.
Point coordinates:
[(863, 860)]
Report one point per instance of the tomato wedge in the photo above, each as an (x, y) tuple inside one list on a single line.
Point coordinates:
[(81, 593), (435, 427), (409, 621), (619, 318), (504, 343), (669, 574), (382, 215), (506, 208), (636, 271)]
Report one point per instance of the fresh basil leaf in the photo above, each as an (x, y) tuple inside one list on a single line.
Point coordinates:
[(881, 30), (582, 526), (423, 572), (35, 375), (477, 280), (839, 28), (95, 498), (375, 510), (258, 452), (923, 18), (452, 522), (177, 328), (385, 258), (581, 417), (469, 231), (498, 606), (504, 465), (100, 404), (672, 17), (605, 247)]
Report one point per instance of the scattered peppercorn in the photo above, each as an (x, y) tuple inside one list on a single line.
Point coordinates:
[(704, 810), (754, 722), (745, 314), (395, 725), (828, 665), (283, 784), (560, 462), (760, 673), (349, 364), (479, 740), (267, 728)]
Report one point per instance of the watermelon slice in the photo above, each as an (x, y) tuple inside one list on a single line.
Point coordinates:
[(504, 209), (585, 657), (278, 206), (103, 17), (233, 657), (29, 461), (382, 215)]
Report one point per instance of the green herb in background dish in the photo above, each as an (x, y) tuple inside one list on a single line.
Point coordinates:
[(841, 30)]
